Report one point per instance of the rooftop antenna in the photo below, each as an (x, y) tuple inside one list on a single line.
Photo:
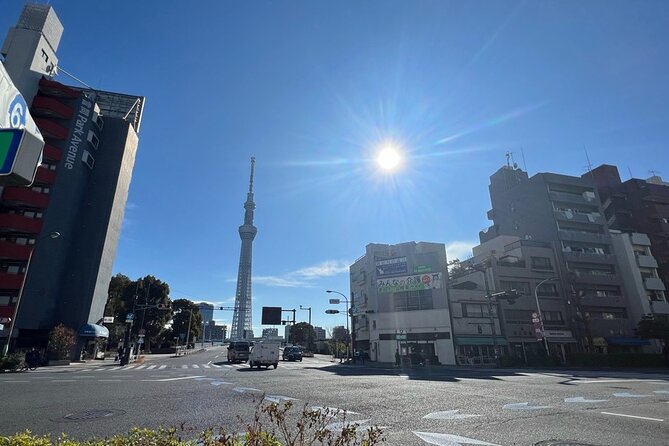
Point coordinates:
[(587, 157), (630, 172), (522, 153), (508, 158), (654, 172)]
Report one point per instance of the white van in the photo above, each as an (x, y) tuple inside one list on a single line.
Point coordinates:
[(264, 353)]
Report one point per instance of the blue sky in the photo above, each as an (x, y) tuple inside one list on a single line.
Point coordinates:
[(312, 89)]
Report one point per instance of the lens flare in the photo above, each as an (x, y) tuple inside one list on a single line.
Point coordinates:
[(389, 158)]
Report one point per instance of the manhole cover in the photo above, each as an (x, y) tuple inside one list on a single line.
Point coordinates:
[(563, 443), (94, 414)]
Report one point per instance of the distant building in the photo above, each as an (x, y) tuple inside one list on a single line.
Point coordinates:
[(58, 237), (400, 294), (567, 213), (320, 333), (217, 333), (269, 333), (206, 311)]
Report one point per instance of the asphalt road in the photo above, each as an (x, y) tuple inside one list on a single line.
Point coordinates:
[(416, 407)]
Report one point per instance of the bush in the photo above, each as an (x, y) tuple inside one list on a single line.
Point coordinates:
[(307, 428), (626, 360), (11, 362), (61, 341)]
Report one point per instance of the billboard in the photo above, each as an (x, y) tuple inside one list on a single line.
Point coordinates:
[(414, 282), (391, 266), (271, 315)]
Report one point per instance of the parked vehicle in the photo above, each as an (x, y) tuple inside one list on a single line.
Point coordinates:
[(238, 351), (292, 354), (264, 353)]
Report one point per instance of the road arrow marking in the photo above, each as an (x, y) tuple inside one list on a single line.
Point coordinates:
[(278, 398), (246, 389), (523, 406), (449, 415), (629, 395), (450, 440), (580, 399)]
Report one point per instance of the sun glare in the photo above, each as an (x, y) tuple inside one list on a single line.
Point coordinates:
[(389, 158)]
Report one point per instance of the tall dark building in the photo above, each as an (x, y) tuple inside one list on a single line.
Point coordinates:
[(58, 238), (640, 206), (566, 212)]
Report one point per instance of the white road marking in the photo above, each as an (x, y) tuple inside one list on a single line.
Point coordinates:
[(246, 389), (184, 366), (162, 367), (661, 391), (173, 379), (12, 381), (523, 406), (114, 368), (195, 366), (151, 367), (449, 440), (140, 367), (334, 411), (580, 399), (128, 367), (632, 416), (606, 381), (63, 380), (338, 426), (279, 398), (217, 366), (206, 366), (629, 395), (109, 380), (218, 383), (449, 415)]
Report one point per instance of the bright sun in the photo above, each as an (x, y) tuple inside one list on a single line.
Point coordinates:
[(388, 158)]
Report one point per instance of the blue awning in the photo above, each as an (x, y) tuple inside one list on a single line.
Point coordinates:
[(93, 331), (627, 341)]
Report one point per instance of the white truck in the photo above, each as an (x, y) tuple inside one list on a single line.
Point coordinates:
[(264, 353)]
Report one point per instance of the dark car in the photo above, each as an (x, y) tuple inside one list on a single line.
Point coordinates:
[(292, 354)]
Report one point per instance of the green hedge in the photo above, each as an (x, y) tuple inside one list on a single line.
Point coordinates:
[(11, 362), (627, 360)]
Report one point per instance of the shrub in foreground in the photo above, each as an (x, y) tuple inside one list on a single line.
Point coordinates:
[(272, 425)]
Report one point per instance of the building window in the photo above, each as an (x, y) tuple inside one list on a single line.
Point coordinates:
[(413, 300), (607, 315), (508, 285), (88, 159), (477, 310), (547, 289), (553, 316), (541, 263), (518, 316), (655, 296)]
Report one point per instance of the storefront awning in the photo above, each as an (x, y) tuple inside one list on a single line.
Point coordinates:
[(93, 331), (478, 340), (627, 341)]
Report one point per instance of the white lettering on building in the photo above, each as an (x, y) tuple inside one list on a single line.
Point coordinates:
[(82, 118)]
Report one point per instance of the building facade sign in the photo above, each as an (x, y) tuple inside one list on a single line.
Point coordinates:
[(558, 334), (420, 269), (78, 134), (415, 282), (391, 266)]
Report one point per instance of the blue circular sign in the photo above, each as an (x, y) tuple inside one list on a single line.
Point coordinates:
[(17, 112)]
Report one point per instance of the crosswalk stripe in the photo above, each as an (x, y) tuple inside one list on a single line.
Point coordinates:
[(206, 366), (129, 367), (140, 367), (114, 368), (151, 367), (162, 367), (195, 366), (184, 366), (217, 366)]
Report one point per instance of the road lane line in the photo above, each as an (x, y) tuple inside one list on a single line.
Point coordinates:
[(162, 367), (109, 380), (174, 379), (63, 380), (632, 416), (195, 366), (607, 381)]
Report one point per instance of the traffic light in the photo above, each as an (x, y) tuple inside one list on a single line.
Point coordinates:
[(163, 307)]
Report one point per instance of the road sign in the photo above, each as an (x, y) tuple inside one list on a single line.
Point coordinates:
[(142, 332), (331, 311), (355, 311), (108, 320), (335, 301), (535, 320), (401, 337), (535, 315), (129, 317), (5, 320)]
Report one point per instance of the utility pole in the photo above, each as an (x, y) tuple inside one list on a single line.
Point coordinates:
[(309, 309)]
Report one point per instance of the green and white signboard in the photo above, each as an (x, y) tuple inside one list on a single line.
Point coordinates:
[(414, 282)]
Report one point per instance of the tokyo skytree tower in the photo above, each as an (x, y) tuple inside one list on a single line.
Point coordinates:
[(241, 320)]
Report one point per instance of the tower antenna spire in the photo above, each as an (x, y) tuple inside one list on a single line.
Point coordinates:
[(253, 163)]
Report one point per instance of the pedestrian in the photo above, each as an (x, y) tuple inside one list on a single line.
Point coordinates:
[(119, 353), (397, 358)]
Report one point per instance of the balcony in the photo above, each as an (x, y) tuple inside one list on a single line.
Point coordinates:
[(50, 129), (22, 196), (564, 197), (14, 251), (19, 223), (589, 257), (654, 284), (50, 108), (585, 237), (578, 217), (11, 281), (597, 279), (45, 176), (646, 261), (52, 153)]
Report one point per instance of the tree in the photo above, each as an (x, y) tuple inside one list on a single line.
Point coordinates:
[(303, 334), (340, 334), (182, 309), (61, 341), (653, 329), (456, 268)]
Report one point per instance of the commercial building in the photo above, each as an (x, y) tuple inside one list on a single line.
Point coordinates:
[(58, 238), (529, 267), (206, 311), (270, 333), (566, 212), (400, 303), (216, 333), (320, 333)]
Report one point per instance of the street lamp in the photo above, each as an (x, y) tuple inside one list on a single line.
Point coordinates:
[(541, 318), (52, 235), (348, 314)]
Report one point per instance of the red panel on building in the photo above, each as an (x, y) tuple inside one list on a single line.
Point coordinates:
[(52, 153), (22, 196), (50, 107), (53, 88), (11, 281), (45, 176), (14, 251), (50, 129), (19, 223), (6, 311)]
